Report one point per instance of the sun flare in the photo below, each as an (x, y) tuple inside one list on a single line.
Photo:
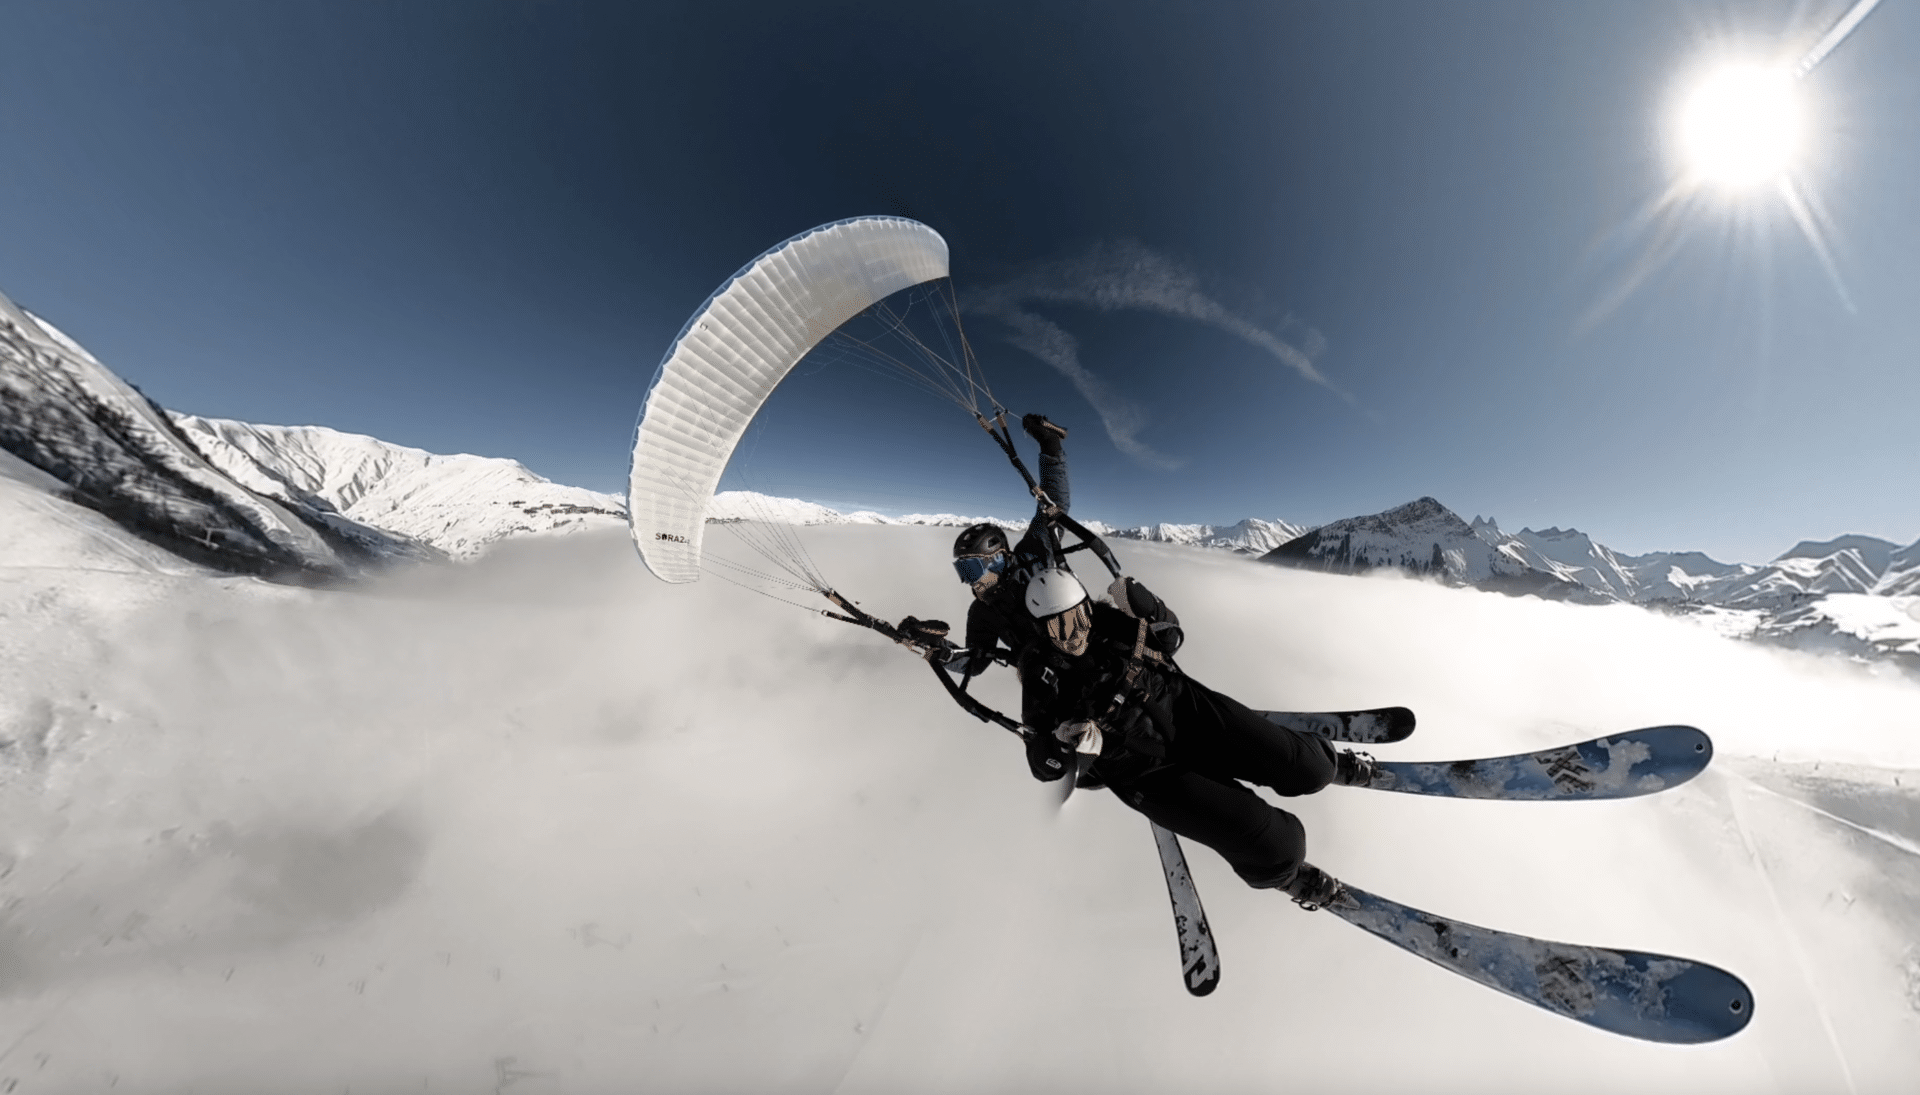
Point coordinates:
[(1741, 125)]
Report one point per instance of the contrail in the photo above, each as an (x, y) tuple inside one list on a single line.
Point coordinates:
[(1834, 37), (1052, 344), (1126, 276)]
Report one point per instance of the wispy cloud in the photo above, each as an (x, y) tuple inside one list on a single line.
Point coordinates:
[(1125, 276), (1051, 343)]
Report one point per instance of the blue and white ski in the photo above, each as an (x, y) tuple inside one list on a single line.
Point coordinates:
[(1199, 961), (1638, 762), (1654, 997), (1374, 725)]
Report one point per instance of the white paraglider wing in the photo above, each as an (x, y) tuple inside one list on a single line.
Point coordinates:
[(736, 348)]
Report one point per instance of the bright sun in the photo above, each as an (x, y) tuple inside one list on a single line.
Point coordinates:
[(1741, 125)]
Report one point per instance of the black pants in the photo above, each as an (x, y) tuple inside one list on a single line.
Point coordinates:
[(1197, 794)]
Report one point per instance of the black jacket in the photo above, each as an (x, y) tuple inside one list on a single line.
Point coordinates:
[(1127, 694)]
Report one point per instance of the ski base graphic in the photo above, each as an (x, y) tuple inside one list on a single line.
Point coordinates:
[(1638, 762), (1654, 997), (1371, 726), (1199, 961)]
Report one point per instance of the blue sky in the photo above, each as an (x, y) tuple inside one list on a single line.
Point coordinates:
[(476, 226)]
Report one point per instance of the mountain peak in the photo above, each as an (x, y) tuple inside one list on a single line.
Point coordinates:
[(1420, 537), (1423, 508), (1871, 550)]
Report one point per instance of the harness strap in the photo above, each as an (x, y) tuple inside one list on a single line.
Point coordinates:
[(1131, 673), (1088, 540), (1004, 438)]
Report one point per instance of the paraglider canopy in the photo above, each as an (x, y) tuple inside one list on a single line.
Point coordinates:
[(735, 349)]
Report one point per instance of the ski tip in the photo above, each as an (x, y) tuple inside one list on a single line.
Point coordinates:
[(1681, 752), (1205, 985), (1637, 994), (1702, 1003), (1693, 739), (1373, 725)]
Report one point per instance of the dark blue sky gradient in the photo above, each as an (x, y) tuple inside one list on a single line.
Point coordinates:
[(475, 226)]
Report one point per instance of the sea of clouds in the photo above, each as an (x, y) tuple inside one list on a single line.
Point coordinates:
[(542, 823)]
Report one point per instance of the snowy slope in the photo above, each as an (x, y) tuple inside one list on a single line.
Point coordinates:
[(1902, 576), (1856, 624), (1850, 564), (542, 824), (1567, 554), (119, 454), (1678, 576), (457, 504), (41, 530)]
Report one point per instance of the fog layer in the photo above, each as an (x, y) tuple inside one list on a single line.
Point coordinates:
[(545, 823)]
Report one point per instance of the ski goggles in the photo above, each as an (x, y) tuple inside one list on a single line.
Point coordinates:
[(972, 568)]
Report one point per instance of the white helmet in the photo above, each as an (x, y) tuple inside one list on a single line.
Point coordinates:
[(1053, 591)]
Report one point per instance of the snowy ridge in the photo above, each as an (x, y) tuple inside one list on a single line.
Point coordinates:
[(1252, 536), (1854, 595), (119, 454), (1568, 554), (1902, 576), (458, 505)]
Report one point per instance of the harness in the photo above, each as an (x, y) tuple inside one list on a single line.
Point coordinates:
[(1050, 521)]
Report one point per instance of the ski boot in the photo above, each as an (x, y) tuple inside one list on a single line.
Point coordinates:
[(1048, 434), (1312, 888), (1353, 769)]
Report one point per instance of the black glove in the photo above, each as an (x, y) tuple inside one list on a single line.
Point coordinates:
[(1048, 434), (928, 631), (930, 636), (1139, 602)]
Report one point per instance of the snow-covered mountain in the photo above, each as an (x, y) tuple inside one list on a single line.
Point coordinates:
[(1425, 537), (1902, 576), (1855, 595), (1567, 554), (458, 505), (1252, 536), (1574, 556), (119, 454)]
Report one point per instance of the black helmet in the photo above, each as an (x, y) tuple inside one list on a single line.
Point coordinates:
[(979, 552), (982, 539)]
